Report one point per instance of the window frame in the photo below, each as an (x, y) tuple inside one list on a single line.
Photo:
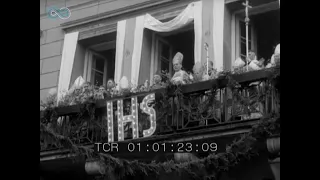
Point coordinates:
[(238, 16), (88, 66), (155, 49), (159, 40), (155, 54), (237, 36)]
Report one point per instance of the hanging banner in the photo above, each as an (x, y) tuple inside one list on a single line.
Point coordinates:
[(208, 18), (68, 54)]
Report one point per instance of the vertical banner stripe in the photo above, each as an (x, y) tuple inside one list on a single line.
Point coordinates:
[(136, 56), (198, 44), (68, 54), (207, 32), (217, 33), (121, 32), (128, 48)]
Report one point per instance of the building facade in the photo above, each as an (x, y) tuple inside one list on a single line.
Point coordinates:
[(109, 39), (68, 46)]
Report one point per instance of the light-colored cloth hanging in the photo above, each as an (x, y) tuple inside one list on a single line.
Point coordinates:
[(130, 36)]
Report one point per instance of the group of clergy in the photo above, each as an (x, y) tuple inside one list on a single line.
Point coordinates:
[(202, 72), (254, 64)]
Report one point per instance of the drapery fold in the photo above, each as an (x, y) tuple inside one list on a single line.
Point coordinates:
[(130, 36), (183, 19), (128, 54)]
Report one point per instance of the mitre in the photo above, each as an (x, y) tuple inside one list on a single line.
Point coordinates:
[(178, 58)]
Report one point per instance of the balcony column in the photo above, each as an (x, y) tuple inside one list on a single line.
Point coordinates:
[(217, 33), (273, 145)]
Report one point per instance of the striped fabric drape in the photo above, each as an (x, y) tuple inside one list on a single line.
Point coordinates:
[(208, 18), (212, 16), (128, 48), (67, 60)]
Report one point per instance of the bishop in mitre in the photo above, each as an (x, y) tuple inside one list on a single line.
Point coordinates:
[(180, 76)]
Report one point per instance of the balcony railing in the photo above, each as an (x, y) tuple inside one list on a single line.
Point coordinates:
[(190, 107)]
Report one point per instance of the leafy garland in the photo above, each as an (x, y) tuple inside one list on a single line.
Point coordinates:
[(213, 163), (243, 148)]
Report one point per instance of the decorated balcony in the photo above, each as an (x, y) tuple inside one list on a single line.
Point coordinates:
[(237, 112), (227, 102)]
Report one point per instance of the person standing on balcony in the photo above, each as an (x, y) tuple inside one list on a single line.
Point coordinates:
[(180, 76), (209, 72), (197, 72), (157, 82)]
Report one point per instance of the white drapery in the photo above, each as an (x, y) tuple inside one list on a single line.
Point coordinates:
[(192, 13), (183, 19), (147, 21), (130, 36)]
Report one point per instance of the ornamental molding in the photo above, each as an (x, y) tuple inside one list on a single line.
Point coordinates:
[(113, 13), (106, 22), (94, 26)]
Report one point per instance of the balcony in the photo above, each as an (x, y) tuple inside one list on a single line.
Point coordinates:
[(202, 109)]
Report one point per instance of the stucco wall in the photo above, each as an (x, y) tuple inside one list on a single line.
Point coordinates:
[(51, 41)]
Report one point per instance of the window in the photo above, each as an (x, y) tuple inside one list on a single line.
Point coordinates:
[(98, 75), (166, 45), (164, 55), (263, 31), (99, 65), (241, 37)]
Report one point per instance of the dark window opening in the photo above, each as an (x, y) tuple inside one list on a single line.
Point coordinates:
[(267, 27), (173, 42)]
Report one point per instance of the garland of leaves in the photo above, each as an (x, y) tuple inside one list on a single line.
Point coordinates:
[(214, 163)]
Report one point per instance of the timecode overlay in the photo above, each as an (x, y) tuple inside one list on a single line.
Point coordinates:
[(196, 146)]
